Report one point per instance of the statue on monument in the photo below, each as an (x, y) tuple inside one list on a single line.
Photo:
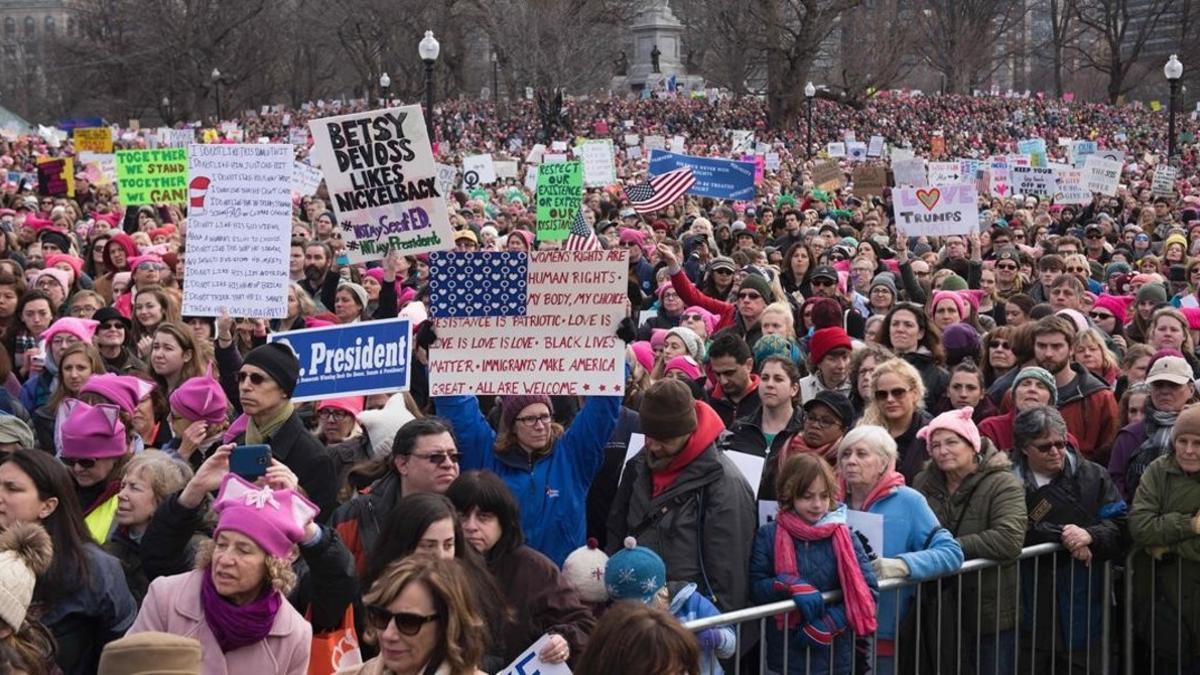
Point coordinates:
[(621, 64), (654, 54)]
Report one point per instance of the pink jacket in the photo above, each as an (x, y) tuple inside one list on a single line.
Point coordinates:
[(173, 606)]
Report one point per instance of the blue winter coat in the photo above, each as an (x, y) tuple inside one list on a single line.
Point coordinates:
[(689, 605), (912, 533), (551, 490), (817, 565)]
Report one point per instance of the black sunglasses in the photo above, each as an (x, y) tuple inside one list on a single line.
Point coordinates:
[(436, 458), (256, 379), (85, 463), (406, 623), (822, 282), (884, 394)]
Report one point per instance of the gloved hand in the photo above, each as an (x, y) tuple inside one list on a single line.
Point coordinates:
[(709, 638), (889, 568), (806, 596), (1196, 523), (426, 335), (627, 330), (819, 634)]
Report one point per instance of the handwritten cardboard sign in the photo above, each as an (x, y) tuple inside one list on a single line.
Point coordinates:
[(153, 176), (93, 139)]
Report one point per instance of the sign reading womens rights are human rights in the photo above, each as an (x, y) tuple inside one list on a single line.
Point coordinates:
[(356, 359), (548, 327), (937, 211), (381, 177)]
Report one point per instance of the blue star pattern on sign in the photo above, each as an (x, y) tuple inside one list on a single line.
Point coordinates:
[(478, 284)]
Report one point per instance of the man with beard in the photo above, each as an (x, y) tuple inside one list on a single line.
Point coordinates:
[(320, 274), (1086, 402), (686, 500)]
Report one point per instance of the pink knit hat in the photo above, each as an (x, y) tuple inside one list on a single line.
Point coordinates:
[(644, 353), (1193, 316), (1117, 304), (122, 390), (658, 336), (74, 262), (350, 404), (709, 319), (684, 364), (92, 432), (83, 329), (959, 301), (959, 421), (63, 277), (274, 519), (200, 398)]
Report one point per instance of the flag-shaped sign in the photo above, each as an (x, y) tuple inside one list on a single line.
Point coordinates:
[(582, 237), (478, 284), (660, 191)]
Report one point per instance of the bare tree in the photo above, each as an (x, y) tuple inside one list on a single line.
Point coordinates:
[(964, 39), (724, 42), (865, 66), (1063, 32), (1116, 33)]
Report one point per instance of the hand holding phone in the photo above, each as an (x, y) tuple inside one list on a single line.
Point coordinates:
[(250, 461)]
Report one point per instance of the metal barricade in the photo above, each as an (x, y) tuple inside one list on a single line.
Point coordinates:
[(1048, 613), (1159, 638)]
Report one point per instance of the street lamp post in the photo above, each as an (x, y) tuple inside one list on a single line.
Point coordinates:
[(496, 77), (1173, 70), (166, 107), (429, 50), (809, 92), (384, 83), (216, 79)]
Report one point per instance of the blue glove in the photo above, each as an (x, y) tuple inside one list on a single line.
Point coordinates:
[(820, 634), (805, 595), (709, 639)]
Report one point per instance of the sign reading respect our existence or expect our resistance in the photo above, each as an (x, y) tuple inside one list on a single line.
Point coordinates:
[(355, 359), (516, 323), (382, 182)]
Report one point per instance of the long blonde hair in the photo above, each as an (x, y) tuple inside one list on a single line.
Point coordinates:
[(905, 371)]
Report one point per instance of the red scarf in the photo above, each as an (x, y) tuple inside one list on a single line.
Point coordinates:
[(886, 484), (856, 595), (797, 446)]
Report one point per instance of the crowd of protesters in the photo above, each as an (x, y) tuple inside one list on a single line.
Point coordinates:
[(1032, 382)]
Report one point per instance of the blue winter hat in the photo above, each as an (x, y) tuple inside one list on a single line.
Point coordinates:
[(634, 573)]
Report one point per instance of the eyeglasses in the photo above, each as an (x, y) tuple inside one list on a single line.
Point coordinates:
[(693, 317), (256, 379), (1095, 235), (1001, 344), (749, 295), (64, 340), (534, 420), (333, 413), (148, 266), (722, 270), (1008, 266), (1077, 270), (1101, 316), (84, 463), (1048, 446), (822, 282), (821, 422), (437, 458), (406, 622), (1142, 237), (897, 393), (629, 243), (112, 325)]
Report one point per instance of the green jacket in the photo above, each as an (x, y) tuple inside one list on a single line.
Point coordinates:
[(1164, 506), (987, 516)]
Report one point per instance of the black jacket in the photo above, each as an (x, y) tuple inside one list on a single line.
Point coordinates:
[(935, 377), (746, 436), (293, 445)]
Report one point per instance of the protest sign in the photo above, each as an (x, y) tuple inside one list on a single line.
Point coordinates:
[(875, 148), (535, 154), (1071, 188), (633, 153), (298, 136), (505, 168), (479, 170), (382, 182), (560, 157), (632, 140), (558, 146), (1113, 155), (760, 166), (1081, 150), (306, 179), (898, 154), (720, 178), (93, 139), (857, 152), (835, 149), (528, 662), (446, 175), (936, 211), (56, 177), (909, 172), (941, 173), (356, 359), (239, 230), (1036, 149), (868, 528), (1164, 181), (531, 172), (100, 168), (678, 145), (557, 338), (1033, 180), (655, 142), (559, 193), (1102, 175), (175, 138), (599, 169), (870, 181), (742, 141), (152, 176), (771, 161), (750, 466), (828, 175)]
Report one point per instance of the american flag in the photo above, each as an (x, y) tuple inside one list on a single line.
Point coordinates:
[(582, 237), (660, 191)]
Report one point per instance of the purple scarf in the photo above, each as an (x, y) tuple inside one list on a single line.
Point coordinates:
[(233, 626)]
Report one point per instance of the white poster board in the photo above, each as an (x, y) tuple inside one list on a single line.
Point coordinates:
[(478, 170), (937, 211), (599, 169), (305, 179), (239, 230), (1102, 175), (910, 172), (528, 662)]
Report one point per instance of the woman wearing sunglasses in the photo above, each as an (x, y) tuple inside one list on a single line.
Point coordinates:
[(542, 600), (422, 616), (898, 405)]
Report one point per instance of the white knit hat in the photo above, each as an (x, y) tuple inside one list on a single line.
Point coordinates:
[(381, 425), (584, 570), (25, 553)]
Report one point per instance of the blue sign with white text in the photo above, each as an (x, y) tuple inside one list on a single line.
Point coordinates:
[(715, 177), (369, 357)]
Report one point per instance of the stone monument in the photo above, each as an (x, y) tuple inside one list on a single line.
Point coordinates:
[(654, 55)]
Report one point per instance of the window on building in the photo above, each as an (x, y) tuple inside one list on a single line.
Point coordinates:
[(10, 27), (30, 27), (49, 25)]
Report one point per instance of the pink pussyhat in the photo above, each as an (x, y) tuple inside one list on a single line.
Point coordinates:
[(83, 329), (350, 404), (63, 277), (960, 422), (684, 364), (200, 399), (274, 519), (959, 301), (91, 432), (644, 353), (123, 391)]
